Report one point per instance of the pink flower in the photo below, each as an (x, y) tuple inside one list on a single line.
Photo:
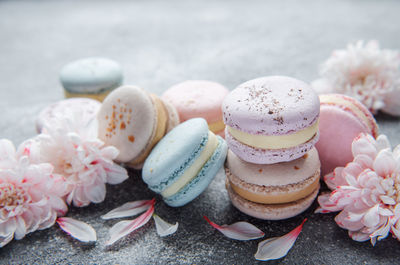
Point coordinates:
[(366, 73), (366, 191), (30, 195), (76, 153)]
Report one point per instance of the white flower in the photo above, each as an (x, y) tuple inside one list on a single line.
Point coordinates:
[(30, 194), (76, 153), (366, 73)]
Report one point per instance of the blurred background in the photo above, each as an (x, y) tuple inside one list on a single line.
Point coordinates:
[(160, 43)]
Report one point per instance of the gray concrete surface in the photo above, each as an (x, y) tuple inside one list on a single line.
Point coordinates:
[(160, 43)]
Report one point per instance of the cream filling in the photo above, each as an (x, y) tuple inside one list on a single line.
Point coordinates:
[(99, 96), (192, 171), (275, 141), (334, 99), (216, 127)]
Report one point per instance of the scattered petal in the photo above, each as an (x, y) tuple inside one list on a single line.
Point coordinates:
[(278, 247), (238, 231), (164, 228), (124, 228), (77, 229), (129, 209)]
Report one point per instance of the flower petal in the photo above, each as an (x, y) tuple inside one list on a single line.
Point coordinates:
[(77, 229), (123, 228), (164, 228), (364, 144), (278, 247), (384, 163), (129, 209), (392, 103), (238, 231), (116, 174), (371, 217), (322, 86), (359, 236)]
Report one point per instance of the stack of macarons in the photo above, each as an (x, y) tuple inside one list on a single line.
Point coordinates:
[(272, 167)]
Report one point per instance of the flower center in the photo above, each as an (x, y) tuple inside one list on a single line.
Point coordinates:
[(10, 195)]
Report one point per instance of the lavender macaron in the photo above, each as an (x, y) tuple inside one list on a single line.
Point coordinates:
[(271, 119)]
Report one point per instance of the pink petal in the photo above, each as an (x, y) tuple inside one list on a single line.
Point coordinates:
[(163, 228), (7, 149), (392, 103), (382, 142), (359, 236), (77, 229), (371, 218), (109, 152), (238, 231), (116, 174), (326, 204), (396, 232), (322, 86), (278, 247), (5, 240), (123, 228), (364, 144), (363, 161), (96, 193), (129, 209), (384, 163)]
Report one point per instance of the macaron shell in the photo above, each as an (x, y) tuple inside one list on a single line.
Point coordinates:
[(275, 105), (197, 98), (268, 156), (203, 178), (91, 75), (270, 211), (159, 131), (338, 128), (87, 109), (127, 119)]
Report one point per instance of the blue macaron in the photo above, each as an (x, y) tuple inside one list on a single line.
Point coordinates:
[(184, 162)]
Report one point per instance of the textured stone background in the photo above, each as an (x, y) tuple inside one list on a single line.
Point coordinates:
[(160, 43)]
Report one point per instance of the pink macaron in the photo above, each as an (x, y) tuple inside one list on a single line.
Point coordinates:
[(342, 118), (199, 99), (271, 119), (86, 108)]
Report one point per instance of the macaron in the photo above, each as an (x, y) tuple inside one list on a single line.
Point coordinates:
[(271, 119), (133, 120), (85, 107), (342, 118), (184, 162), (199, 99), (91, 77), (275, 191)]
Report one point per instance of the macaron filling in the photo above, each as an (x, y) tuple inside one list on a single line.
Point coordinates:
[(273, 194), (191, 172), (97, 96), (275, 141), (158, 131), (216, 127)]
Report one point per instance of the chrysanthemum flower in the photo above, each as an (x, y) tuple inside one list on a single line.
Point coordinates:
[(30, 194), (366, 73), (366, 191), (76, 153)]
